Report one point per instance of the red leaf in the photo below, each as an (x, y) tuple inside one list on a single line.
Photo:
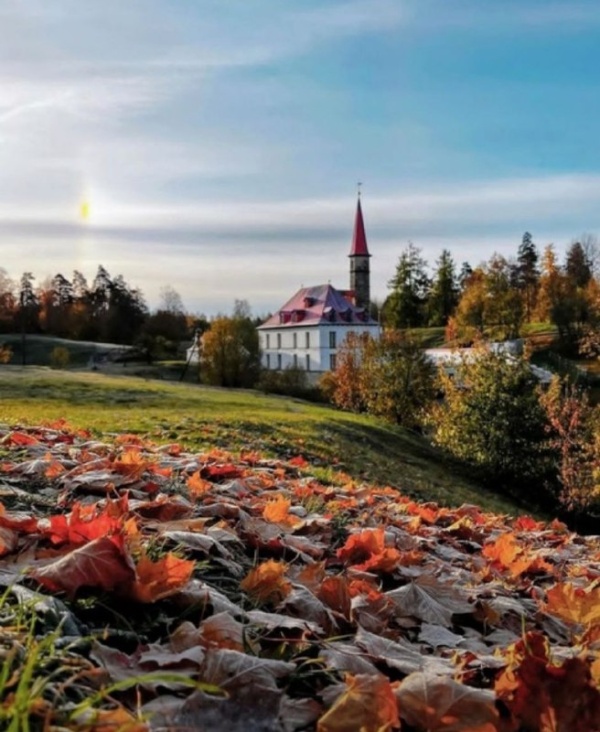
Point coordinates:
[(103, 564)]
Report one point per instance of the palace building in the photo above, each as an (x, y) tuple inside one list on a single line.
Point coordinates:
[(308, 329)]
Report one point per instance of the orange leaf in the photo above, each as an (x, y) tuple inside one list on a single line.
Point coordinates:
[(574, 604), (197, 486), (267, 582), (368, 705), (503, 550), (277, 511), (359, 547), (155, 580)]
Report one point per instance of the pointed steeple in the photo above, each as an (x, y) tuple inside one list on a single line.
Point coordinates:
[(360, 278), (359, 238)]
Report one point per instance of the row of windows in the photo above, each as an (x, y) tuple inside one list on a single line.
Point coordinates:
[(332, 340), (332, 361)]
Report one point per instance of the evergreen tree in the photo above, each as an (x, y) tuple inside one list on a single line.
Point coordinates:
[(405, 306), (444, 291), (527, 273), (464, 275), (577, 265)]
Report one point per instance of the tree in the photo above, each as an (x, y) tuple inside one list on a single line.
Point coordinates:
[(389, 377), (527, 273), (491, 417), (29, 304), (574, 429), (405, 306), (443, 295), (591, 249), (464, 275), (8, 302), (230, 353), (489, 304), (170, 301), (577, 265)]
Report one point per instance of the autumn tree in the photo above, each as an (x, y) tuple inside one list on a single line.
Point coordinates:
[(389, 377), (405, 306), (574, 433), (491, 417), (490, 304), (229, 350)]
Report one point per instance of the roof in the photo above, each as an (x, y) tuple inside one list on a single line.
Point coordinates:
[(319, 305), (359, 238)]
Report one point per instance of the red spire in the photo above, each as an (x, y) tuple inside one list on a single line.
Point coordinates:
[(359, 238)]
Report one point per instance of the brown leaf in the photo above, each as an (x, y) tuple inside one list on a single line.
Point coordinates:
[(156, 580), (267, 582), (368, 705), (103, 564), (432, 703)]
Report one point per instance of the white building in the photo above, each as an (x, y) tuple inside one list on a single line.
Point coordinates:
[(308, 330)]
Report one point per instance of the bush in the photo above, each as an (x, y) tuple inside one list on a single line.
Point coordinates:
[(389, 377), (491, 417), (291, 381), (60, 357)]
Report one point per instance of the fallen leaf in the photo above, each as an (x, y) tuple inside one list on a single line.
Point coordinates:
[(368, 705)]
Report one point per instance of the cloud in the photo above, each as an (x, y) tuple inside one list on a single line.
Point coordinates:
[(215, 251)]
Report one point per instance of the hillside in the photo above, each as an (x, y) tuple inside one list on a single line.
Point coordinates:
[(200, 417), (152, 588)]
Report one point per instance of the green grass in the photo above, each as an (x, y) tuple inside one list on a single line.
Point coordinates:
[(200, 417)]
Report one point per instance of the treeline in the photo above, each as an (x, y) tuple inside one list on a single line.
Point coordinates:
[(107, 309), (497, 297)]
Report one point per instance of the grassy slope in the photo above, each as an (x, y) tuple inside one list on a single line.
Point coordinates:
[(199, 417)]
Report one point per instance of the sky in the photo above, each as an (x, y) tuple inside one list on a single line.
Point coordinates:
[(218, 143)]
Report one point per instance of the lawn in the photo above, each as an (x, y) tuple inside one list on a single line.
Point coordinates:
[(201, 417)]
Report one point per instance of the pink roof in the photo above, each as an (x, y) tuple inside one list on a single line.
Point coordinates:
[(359, 238), (317, 305)]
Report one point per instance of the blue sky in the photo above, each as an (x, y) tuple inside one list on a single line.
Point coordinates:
[(219, 142)]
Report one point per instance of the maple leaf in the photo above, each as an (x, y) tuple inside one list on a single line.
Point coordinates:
[(197, 486), (436, 704), (503, 550), (155, 580), (277, 511), (267, 582), (361, 546), (368, 704), (84, 524), (574, 604), (20, 439), (102, 563)]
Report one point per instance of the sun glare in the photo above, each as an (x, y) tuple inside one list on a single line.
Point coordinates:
[(85, 210)]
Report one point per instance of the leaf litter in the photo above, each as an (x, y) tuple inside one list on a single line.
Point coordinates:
[(216, 591)]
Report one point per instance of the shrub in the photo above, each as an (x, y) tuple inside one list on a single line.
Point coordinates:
[(291, 381), (60, 357), (491, 417)]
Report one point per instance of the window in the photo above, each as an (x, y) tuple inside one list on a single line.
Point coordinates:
[(307, 361), (279, 340), (295, 336), (268, 340), (332, 362), (332, 339), (268, 360), (295, 361), (308, 339), (279, 361)]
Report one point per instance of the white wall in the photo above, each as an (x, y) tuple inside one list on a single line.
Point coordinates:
[(319, 350)]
